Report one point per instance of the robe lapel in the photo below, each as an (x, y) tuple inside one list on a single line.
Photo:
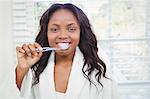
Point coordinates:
[(76, 79), (46, 84)]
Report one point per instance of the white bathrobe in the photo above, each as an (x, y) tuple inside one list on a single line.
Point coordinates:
[(78, 86)]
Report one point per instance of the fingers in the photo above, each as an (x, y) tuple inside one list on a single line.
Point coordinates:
[(19, 49), (38, 46), (30, 49), (33, 49), (26, 49)]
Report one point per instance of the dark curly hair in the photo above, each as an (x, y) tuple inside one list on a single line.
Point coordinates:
[(92, 62)]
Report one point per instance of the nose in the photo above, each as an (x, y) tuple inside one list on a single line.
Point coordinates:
[(63, 35)]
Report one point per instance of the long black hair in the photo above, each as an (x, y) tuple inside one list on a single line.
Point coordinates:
[(87, 44)]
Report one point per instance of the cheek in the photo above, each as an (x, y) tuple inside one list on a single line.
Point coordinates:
[(76, 39), (51, 40)]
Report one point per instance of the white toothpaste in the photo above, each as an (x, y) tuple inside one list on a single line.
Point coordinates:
[(63, 46)]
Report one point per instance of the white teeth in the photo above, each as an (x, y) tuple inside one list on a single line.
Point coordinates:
[(63, 46)]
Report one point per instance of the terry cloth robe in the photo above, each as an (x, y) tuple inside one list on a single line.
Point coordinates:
[(78, 86)]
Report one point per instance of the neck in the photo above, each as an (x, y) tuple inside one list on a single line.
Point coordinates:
[(64, 61)]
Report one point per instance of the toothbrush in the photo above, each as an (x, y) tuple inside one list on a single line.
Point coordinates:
[(61, 47), (44, 49)]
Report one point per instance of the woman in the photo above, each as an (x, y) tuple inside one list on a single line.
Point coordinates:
[(73, 73)]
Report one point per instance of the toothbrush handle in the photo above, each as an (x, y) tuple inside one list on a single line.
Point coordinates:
[(45, 49)]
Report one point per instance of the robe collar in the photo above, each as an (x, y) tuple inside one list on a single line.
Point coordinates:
[(76, 79)]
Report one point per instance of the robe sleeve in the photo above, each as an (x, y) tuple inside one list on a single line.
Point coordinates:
[(26, 90), (9, 89), (110, 90)]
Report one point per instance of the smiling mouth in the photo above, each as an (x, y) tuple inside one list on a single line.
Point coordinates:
[(63, 45)]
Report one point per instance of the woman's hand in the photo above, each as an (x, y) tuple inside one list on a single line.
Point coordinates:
[(27, 55)]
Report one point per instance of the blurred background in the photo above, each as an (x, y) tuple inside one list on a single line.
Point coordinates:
[(122, 28)]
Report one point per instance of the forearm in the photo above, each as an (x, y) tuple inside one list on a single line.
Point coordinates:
[(20, 73)]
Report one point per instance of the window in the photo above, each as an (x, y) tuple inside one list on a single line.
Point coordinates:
[(122, 28)]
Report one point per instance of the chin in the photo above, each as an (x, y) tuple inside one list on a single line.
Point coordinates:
[(64, 52)]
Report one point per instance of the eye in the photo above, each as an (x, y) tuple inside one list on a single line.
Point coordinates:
[(71, 29), (54, 30)]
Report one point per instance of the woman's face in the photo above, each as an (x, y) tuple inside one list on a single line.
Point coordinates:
[(63, 28)]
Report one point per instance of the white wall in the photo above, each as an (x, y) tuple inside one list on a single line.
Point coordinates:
[(6, 40)]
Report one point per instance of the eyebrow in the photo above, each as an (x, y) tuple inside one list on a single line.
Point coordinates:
[(55, 24), (71, 24), (67, 24)]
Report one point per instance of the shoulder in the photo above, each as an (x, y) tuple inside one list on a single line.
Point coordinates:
[(106, 59), (103, 55)]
